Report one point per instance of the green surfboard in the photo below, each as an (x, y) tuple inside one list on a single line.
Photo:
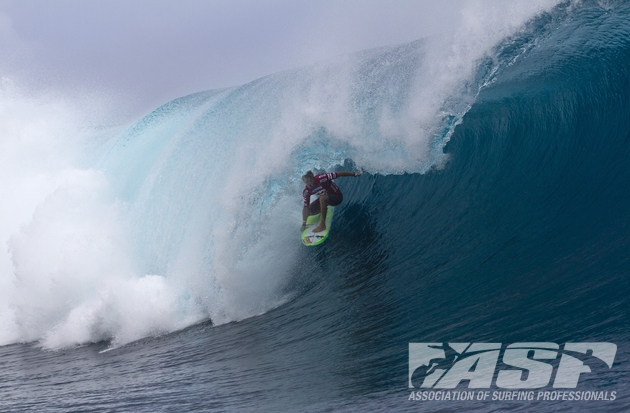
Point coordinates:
[(310, 238)]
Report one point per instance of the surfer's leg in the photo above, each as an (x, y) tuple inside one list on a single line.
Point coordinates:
[(313, 208), (323, 206)]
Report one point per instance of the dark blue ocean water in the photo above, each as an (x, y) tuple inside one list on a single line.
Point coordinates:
[(520, 233)]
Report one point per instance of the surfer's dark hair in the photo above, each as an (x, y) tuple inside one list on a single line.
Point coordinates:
[(309, 174)]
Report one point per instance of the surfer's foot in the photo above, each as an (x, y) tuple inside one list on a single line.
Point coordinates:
[(320, 227)]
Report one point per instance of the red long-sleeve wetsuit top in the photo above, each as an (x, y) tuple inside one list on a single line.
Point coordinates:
[(322, 182)]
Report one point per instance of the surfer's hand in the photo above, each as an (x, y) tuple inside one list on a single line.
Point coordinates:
[(358, 173)]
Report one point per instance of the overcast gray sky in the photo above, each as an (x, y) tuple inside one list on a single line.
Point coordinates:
[(158, 50)]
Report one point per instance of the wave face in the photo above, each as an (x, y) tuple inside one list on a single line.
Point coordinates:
[(494, 208)]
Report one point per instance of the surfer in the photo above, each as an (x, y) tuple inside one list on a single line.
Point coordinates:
[(329, 194)]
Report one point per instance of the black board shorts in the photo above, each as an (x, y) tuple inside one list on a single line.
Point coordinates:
[(333, 200)]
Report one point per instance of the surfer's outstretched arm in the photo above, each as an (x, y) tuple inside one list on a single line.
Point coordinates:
[(346, 173)]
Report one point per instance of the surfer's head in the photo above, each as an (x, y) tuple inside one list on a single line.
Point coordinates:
[(309, 179)]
